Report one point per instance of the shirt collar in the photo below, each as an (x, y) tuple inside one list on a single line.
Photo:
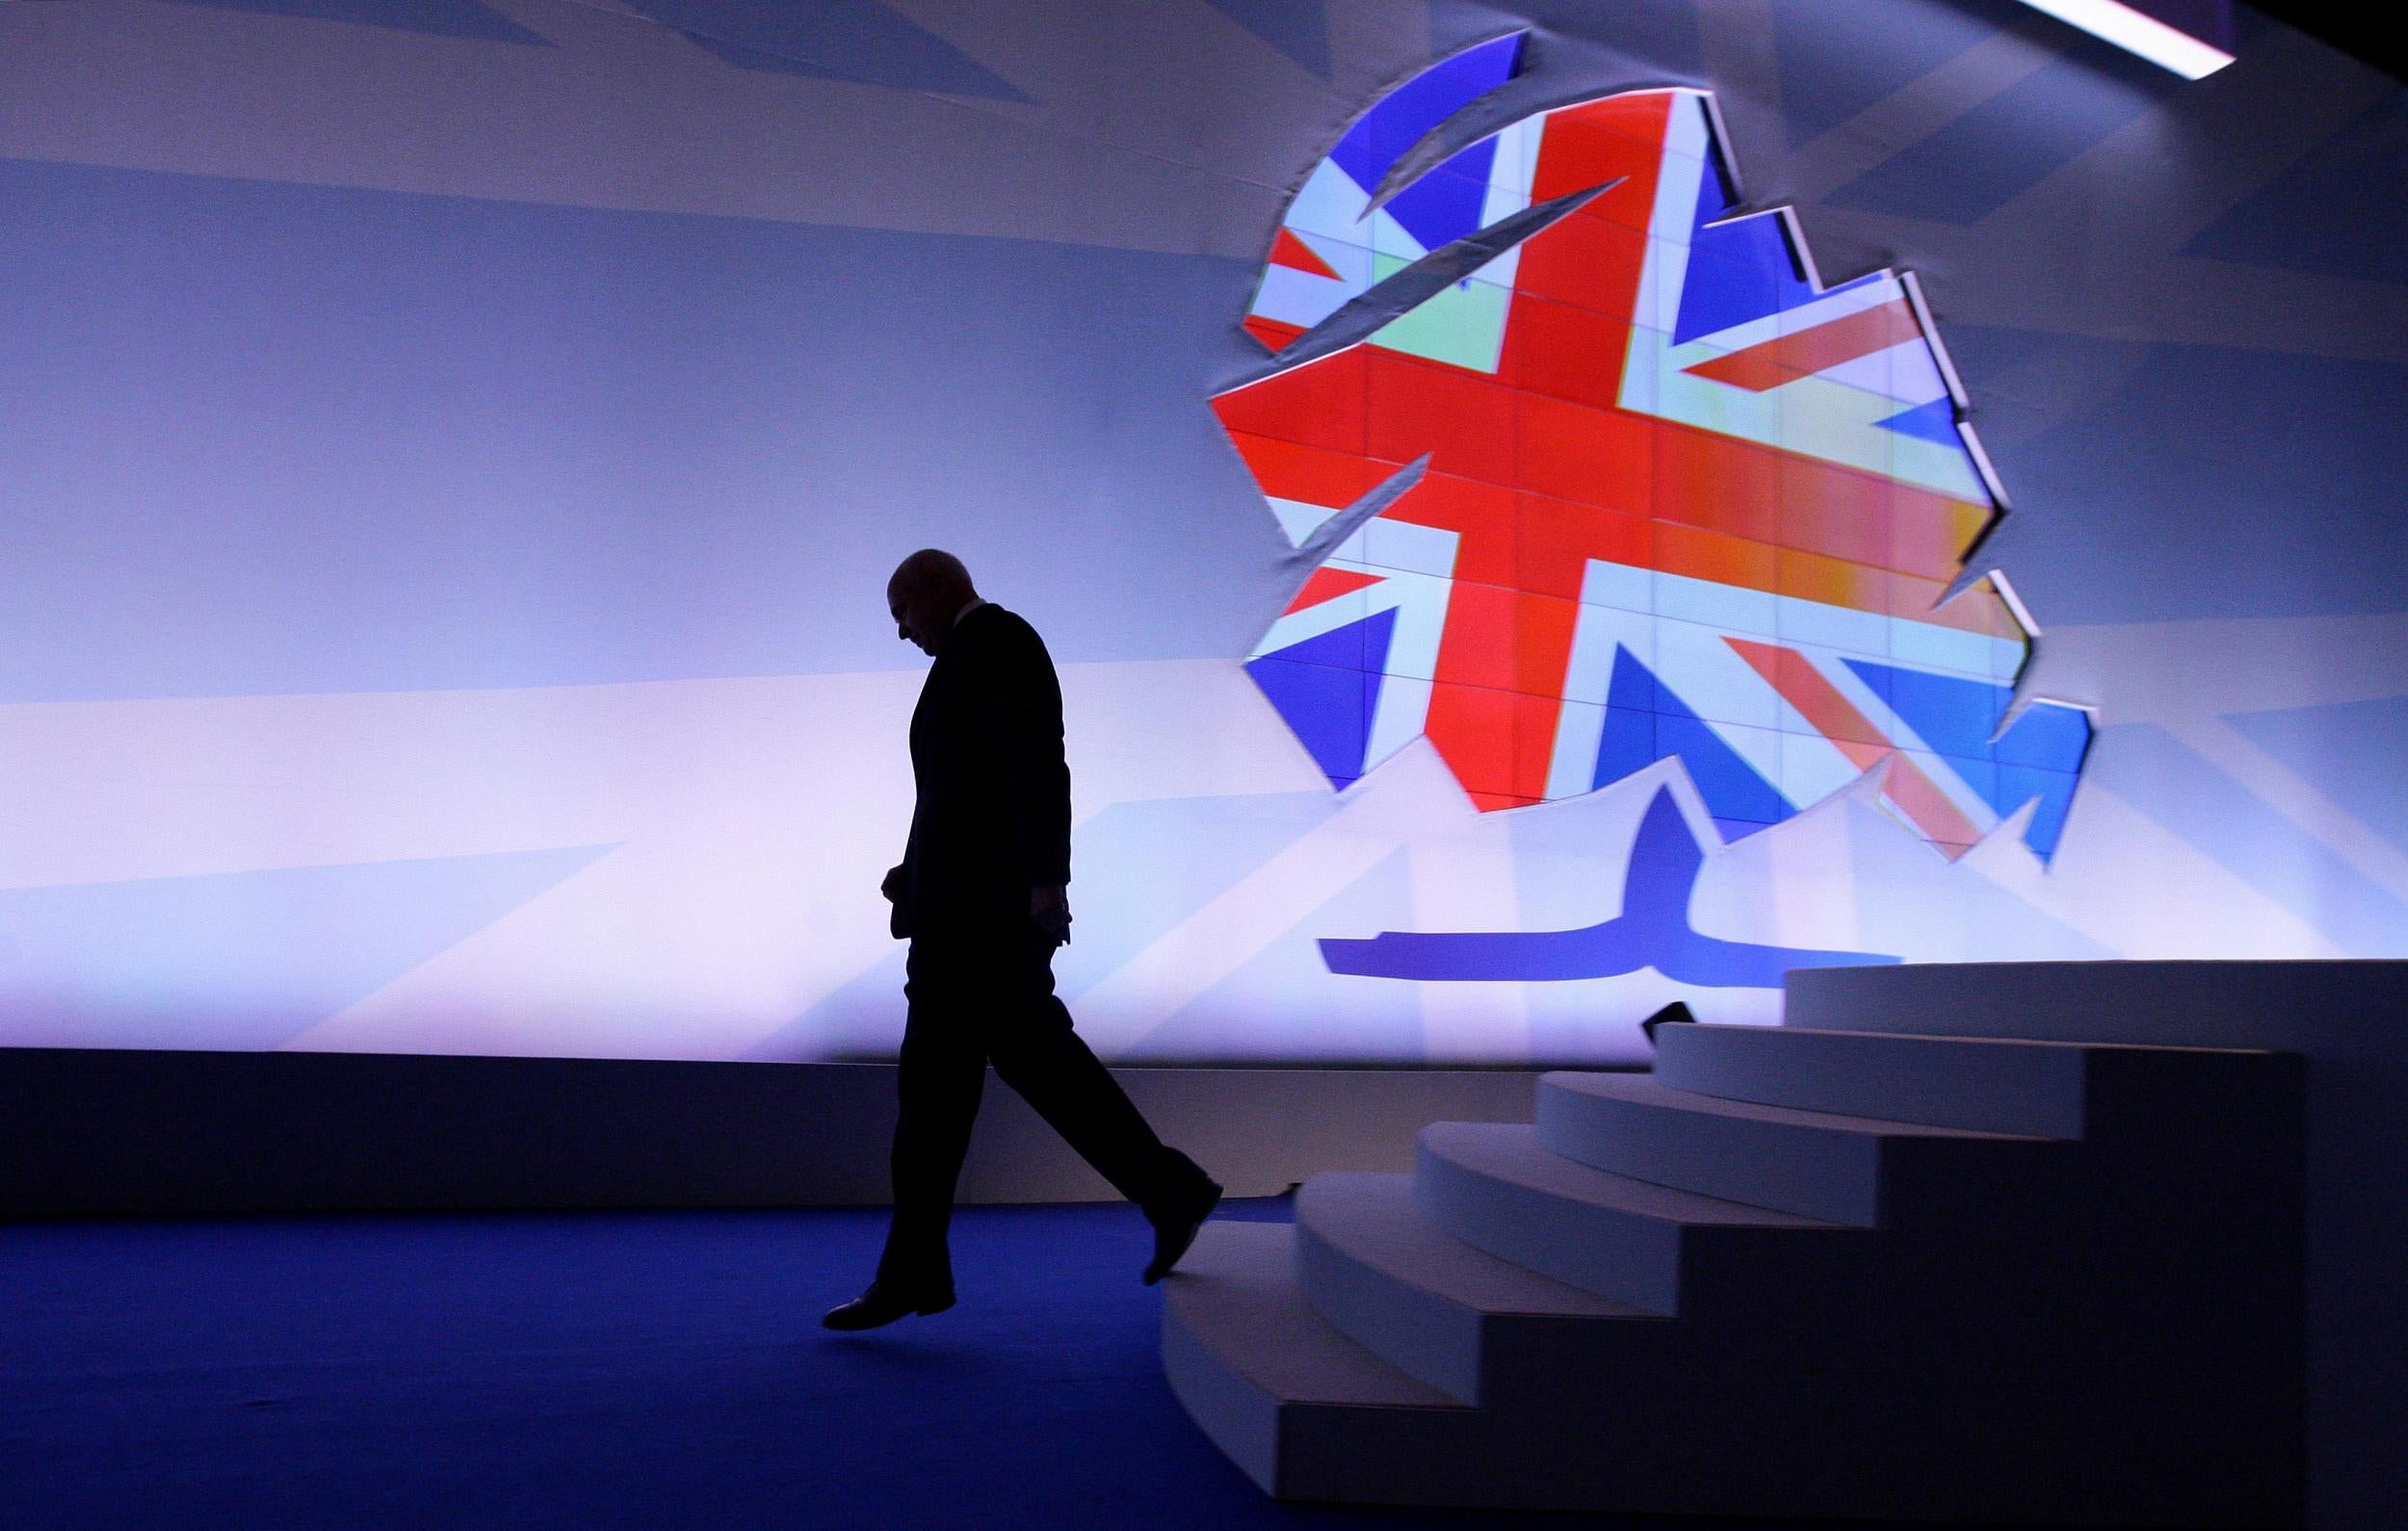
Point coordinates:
[(974, 605)]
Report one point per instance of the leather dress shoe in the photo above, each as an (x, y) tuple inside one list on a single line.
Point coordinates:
[(883, 1305), (1176, 1231), (1675, 1014)]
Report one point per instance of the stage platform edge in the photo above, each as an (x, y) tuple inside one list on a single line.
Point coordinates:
[(93, 1132)]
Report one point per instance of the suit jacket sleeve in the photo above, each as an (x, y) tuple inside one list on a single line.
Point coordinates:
[(1024, 717)]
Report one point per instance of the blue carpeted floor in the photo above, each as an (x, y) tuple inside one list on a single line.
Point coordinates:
[(598, 1370)]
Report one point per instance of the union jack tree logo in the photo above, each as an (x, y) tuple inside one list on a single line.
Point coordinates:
[(1586, 467)]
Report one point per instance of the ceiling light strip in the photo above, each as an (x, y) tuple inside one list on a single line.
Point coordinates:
[(2135, 32)]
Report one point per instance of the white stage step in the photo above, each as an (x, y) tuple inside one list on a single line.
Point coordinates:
[(1431, 1305), (1258, 1369), (1983, 1084), (1495, 1186), (2059, 1284), (1814, 1163), (1976, 1084)]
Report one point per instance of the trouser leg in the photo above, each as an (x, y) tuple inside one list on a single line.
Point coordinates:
[(943, 1069), (1038, 1055)]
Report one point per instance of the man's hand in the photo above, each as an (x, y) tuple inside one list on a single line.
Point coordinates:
[(892, 887), (1050, 907)]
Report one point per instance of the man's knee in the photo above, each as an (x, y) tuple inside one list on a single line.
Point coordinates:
[(1051, 1059)]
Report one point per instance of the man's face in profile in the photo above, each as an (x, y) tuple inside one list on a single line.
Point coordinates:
[(916, 621)]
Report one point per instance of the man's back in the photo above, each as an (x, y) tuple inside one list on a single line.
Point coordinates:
[(992, 818)]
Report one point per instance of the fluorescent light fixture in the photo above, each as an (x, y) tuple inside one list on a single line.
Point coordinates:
[(2135, 32)]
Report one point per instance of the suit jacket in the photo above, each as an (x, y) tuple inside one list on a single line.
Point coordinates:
[(992, 818)]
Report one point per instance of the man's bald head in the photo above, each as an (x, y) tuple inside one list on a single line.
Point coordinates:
[(924, 595), (933, 569)]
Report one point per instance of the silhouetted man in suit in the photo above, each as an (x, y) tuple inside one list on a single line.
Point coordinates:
[(982, 895)]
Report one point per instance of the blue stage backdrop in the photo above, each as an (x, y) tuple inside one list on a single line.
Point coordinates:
[(1542, 508)]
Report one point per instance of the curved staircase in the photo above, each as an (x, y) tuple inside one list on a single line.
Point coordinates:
[(1791, 1272)]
